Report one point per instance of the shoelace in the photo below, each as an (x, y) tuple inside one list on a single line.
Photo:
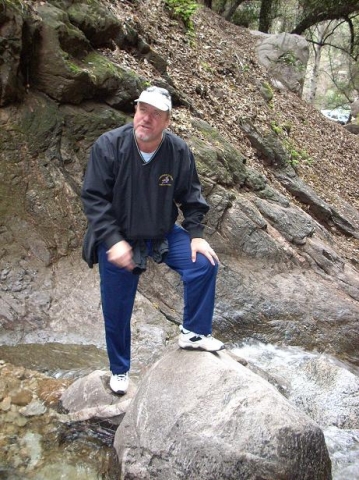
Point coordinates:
[(209, 336)]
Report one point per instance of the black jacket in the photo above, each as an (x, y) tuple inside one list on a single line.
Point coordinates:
[(126, 198)]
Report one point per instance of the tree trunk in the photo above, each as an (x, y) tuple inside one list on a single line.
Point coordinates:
[(265, 17), (207, 3), (313, 84), (230, 8)]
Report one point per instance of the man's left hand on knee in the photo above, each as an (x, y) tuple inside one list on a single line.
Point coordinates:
[(200, 245)]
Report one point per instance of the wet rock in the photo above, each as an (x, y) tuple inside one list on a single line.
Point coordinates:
[(35, 408), (5, 405), (21, 397), (318, 384), (343, 446), (32, 449), (49, 390), (323, 388), (20, 421), (91, 397), (27, 443), (331, 396), (11, 416), (66, 470)]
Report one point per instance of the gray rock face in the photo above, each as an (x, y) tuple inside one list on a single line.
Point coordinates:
[(280, 278), (208, 417)]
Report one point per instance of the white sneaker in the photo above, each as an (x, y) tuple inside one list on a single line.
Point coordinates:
[(119, 383), (190, 341)]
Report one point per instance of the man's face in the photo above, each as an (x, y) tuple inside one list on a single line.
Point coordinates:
[(149, 123)]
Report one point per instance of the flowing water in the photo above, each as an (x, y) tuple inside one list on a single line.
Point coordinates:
[(321, 386), (47, 448)]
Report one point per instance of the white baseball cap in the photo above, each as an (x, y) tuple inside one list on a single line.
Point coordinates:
[(157, 97)]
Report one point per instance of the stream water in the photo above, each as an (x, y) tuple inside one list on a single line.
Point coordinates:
[(43, 446), (47, 448), (325, 388)]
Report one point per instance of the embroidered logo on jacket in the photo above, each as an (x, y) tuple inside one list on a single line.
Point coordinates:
[(165, 180)]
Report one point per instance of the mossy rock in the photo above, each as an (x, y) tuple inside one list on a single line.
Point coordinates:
[(216, 157), (100, 27), (67, 69), (70, 39), (44, 149), (13, 15)]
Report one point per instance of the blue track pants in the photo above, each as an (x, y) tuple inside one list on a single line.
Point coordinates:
[(119, 286)]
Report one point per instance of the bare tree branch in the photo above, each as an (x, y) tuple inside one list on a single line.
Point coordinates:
[(318, 13)]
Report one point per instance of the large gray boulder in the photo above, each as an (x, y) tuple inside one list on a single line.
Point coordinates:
[(285, 56), (199, 415)]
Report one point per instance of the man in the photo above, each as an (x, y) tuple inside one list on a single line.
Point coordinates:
[(136, 178)]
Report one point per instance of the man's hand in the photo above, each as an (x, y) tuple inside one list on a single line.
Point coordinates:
[(121, 255), (200, 245)]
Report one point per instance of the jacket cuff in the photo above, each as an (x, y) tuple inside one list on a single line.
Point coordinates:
[(196, 232), (112, 239)]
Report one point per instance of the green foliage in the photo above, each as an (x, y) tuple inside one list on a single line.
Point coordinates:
[(276, 128), (283, 129), (183, 9), (297, 156), (288, 58), (269, 90), (207, 67), (328, 6)]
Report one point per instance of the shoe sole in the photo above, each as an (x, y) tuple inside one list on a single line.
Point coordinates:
[(119, 393), (186, 346)]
